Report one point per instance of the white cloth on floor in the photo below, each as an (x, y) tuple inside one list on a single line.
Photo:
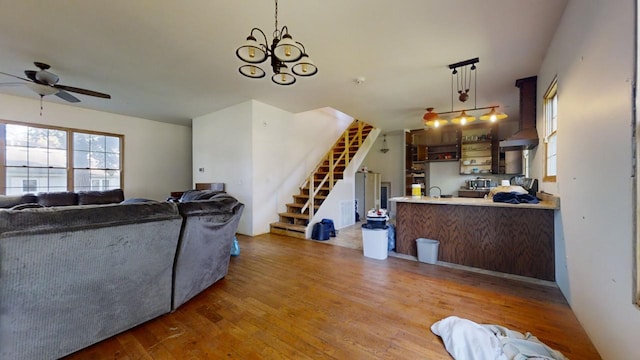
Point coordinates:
[(467, 340)]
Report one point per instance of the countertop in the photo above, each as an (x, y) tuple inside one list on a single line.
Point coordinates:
[(547, 202)]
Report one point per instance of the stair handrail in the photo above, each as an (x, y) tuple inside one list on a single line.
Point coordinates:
[(329, 156), (345, 134)]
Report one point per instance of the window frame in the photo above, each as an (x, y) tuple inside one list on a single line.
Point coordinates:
[(70, 150), (550, 104)]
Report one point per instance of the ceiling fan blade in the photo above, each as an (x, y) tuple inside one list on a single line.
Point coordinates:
[(83, 91), (17, 77), (31, 74), (66, 96), (12, 84)]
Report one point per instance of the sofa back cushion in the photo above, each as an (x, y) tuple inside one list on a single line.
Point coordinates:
[(100, 197), (9, 201), (191, 195), (62, 198)]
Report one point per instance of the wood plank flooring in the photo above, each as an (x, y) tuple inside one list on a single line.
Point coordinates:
[(287, 298)]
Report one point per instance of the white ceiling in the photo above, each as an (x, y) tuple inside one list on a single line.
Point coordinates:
[(171, 61)]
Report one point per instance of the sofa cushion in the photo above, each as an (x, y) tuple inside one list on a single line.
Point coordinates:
[(66, 218), (191, 195), (62, 198), (100, 197), (138, 200), (8, 201)]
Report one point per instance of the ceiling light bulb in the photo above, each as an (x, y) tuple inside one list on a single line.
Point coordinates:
[(463, 120), (436, 124), (284, 77), (305, 68), (253, 70), (287, 51), (252, 52), (493, 118)]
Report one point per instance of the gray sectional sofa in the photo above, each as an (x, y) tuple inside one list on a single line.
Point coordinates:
[(73, 275)]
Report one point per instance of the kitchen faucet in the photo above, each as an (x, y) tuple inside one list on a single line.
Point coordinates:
[(439, 191)]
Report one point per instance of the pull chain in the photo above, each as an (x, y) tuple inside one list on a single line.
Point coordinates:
[(41, 96)]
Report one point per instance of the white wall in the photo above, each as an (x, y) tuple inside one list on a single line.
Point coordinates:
[(262, 154), (222, 147), (389, 165), (594, 61), (157, 158)]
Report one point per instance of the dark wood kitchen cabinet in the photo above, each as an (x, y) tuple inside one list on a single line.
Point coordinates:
[(425, 146)]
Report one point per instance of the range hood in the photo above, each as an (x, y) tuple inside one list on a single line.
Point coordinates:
[(527, 137)]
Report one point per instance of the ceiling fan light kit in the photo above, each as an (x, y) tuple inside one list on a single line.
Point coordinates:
[(461, 74), (283, 49)]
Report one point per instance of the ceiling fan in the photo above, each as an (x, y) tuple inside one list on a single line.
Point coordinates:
[(44, 82)]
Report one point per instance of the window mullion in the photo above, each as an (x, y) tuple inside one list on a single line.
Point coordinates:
[(3, 158), (70, 183)]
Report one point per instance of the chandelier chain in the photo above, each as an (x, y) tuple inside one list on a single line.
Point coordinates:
[(275, 32)]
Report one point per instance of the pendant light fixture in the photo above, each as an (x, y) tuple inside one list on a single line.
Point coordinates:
[(283, 50), (464, 74), (385, 148), (432, 119), (463, 118), (493, 115)]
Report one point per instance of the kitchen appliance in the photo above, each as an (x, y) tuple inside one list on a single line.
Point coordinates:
[(478, 183), (527, 136), (529, 184), (367, 192)]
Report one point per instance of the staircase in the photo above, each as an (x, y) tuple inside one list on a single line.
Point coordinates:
[(316, 187)]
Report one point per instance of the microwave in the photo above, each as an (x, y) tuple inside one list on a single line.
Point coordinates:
[(478, 184)]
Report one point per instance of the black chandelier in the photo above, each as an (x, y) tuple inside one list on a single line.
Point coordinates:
[(283, 50)]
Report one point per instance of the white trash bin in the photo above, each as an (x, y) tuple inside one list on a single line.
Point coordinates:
[(375, 242), (427, 250)]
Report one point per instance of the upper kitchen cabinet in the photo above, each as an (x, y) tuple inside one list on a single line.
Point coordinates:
[(441, 144)]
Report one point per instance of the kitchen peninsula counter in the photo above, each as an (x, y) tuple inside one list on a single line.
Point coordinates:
[(510, 238)]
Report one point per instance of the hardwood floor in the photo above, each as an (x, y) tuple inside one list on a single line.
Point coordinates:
[(287, 298)]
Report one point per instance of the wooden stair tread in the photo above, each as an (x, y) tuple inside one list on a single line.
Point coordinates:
[(293, 227), (298, 205), (291, 230), (295, 215), (306, 196)]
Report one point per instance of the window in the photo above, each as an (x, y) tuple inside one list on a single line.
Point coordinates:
[(96, 161), (34, 159), (30, 185), (551, 132)]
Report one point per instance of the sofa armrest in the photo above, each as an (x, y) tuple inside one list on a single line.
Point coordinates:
[(204, 248)]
